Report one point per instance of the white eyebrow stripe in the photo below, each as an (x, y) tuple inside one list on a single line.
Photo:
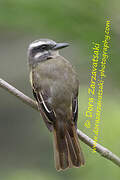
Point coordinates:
[(39, 43)]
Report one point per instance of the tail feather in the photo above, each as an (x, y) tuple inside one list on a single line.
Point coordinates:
[(67, 151), (73, 150), (60, 148)]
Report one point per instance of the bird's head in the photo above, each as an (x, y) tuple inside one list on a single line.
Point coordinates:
[(43, 49)]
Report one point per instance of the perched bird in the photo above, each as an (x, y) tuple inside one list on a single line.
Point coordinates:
[(55, 87)]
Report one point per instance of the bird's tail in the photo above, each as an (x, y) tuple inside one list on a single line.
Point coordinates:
[(67, 151)]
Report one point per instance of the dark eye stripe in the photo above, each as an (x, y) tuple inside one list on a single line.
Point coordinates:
[(44, 46), (41, 48)]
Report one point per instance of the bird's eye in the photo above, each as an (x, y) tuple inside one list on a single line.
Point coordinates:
[(41, 48), (44, 47)]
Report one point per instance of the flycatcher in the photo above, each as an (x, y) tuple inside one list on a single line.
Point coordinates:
[(55, 86)]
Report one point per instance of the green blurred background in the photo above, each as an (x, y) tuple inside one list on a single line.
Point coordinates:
[(26, 150)]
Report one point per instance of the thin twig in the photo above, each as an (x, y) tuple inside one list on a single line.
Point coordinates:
[(99, 148), (83, 137)]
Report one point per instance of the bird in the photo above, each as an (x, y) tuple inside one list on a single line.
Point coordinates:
[(55, 86)]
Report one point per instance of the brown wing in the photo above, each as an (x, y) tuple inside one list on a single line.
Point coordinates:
[(46, 110)]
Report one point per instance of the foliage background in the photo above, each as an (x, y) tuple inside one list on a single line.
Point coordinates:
[(26, 150)]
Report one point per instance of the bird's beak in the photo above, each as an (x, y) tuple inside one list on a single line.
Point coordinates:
[(60, 46)]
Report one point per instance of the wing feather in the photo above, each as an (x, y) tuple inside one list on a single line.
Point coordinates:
[(46, 110), (75, 109)]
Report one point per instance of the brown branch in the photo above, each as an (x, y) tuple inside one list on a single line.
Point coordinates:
[(83, 137)]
